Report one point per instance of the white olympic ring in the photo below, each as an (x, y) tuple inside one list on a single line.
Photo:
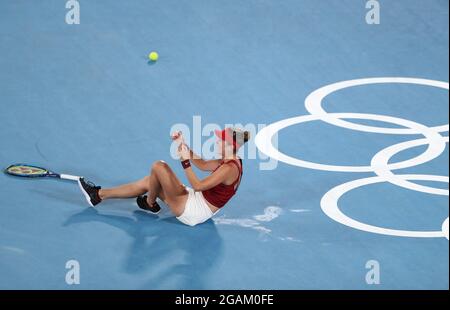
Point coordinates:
[(263, 141), (380, 161), (381, 167), (445, 228), (313, 102), (329, 205)]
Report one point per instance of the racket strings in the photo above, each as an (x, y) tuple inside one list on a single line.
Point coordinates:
[(25, 170)]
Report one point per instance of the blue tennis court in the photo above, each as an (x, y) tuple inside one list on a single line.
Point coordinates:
[(345, 180)]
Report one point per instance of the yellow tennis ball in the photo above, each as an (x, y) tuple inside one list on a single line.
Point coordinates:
[(153, 56)]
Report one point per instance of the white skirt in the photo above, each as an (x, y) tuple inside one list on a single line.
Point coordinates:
[(196, 210)]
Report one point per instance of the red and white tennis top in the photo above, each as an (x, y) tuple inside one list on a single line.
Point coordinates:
[(219, 195)]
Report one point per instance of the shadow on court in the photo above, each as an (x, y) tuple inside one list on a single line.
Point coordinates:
[(157, 241)]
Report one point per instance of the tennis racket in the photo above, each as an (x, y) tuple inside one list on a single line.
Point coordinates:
[(29, 171)]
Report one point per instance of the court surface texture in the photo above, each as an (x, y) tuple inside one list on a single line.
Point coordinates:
[(350, 175)]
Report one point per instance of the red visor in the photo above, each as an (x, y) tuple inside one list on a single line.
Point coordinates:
[(227, 135)]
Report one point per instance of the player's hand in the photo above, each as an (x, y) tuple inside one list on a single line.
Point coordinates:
[(183, 151), (177, 137)]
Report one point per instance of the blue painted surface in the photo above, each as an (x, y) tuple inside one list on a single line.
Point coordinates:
[(83, 100)]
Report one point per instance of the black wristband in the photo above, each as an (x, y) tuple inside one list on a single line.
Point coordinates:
[(186, 163)]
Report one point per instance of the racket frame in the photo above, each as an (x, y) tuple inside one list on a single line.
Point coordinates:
[(47, 174)]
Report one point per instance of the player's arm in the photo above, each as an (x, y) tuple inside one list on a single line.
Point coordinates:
[(205, 165), (219, 176)]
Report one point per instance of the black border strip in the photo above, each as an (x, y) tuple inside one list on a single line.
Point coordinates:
[(260, 298)]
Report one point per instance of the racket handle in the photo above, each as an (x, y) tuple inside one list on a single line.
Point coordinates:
[(69, 177)]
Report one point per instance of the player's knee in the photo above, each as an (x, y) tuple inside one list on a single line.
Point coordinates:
[(158, 165)]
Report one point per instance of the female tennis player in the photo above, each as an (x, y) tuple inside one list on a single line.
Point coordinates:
[(191, 205)]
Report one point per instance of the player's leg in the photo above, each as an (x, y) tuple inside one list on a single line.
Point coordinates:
[(129, 190), (163, 183)]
